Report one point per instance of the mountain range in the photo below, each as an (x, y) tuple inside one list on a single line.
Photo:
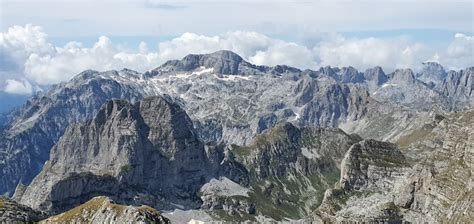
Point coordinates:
[(215, 138)]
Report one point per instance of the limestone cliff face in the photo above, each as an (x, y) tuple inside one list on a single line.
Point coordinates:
[(148, 153), (286, 148), (26, 141), (459, 86), (403, 88), (379, 183), (235, 139), (440, 188), (432, 73), (222, 62), (369, 164), (288, 168), (325, 103), (368, 169), (140, 152), (229, 100), (375, 77), (103, 210)]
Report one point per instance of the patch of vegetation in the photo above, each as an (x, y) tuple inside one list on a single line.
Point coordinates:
[(117, 208), (150, 210), (92, 205), (413, 137), (360, 194), (340, 197), (279, 133), (390, 206), (241, 151), (271, 200), (126, 168), (84, 212), (379, 126), (392, 161), (386, 158), (285, 197), (332, 176), (311, 139), (467, 117)]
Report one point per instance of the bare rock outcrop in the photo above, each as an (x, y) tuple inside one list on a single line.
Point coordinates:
[(103, 210)]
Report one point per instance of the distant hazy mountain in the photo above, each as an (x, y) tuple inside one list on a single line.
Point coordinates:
[(11, 101)]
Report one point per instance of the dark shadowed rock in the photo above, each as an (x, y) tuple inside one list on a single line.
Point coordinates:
[(147, 150), (12, 212)]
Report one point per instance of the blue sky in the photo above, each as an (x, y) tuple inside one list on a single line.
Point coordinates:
[(438, 39), (84, 19), (47, 42)]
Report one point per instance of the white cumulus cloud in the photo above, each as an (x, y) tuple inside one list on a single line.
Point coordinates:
[(67, 61), (255, 47), (20, 41), (22, 87), (460, 52), (28, 59), (369, 52)]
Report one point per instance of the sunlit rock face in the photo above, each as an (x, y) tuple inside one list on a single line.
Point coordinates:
[(172, 130)]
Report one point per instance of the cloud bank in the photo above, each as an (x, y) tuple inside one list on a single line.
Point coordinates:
[(22, 87), (28, 60)]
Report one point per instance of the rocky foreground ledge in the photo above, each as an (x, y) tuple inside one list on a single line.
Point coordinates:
[(97, 210)]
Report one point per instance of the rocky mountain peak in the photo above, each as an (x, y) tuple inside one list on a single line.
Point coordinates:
[(286, 129), (370, 159), (112, 108), (170, 128), (86, 74), (350, 75), (380, 183), (459, 84), (149, 145), (376, 74), (401, 76), (103, 210), (432, 73), (222, 62), (328, 70), (280, 69), (158, 117), (225, 55), (213, 59)]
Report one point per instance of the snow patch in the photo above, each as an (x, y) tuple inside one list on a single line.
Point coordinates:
[(182, 75), (233, 77), (388, 84), (202, 70), (297, 112), (385, 86)]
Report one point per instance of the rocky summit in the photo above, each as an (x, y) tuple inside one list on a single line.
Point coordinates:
[(143, 152), (103, 210), (214, 138)]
